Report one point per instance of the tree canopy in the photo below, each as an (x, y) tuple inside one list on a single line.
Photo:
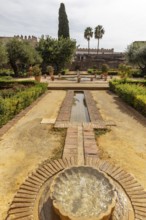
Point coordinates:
[(3, 54), (88, 33), (99, 32), (21, 55), (136, 55), (63, 27), (56, 53)]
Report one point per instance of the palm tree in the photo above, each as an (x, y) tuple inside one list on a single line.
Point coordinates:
[(99, 32), (88, 33)]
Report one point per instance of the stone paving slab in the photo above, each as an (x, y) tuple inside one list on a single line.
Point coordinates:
[(48, 121)]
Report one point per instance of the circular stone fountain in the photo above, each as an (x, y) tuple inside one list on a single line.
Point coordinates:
[(83, 192)]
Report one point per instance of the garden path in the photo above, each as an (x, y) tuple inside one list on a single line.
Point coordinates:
[(125, 144)]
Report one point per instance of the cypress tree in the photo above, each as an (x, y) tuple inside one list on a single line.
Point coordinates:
[(63, 29)]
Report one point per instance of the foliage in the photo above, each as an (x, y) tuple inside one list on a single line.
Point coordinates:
[(88, 33), (99, 32), (116, 82), (113, 72), (5, 78), (9, 107), (21, 55), (99, 132), (36, 70), (104, 68), (7, 84), (124, 70), (132, 93), (56, 53), (63, 30), (136, 73), (6, 72), (64, 71), (90, 71), (136, 55), (3, 55), (50, 70)]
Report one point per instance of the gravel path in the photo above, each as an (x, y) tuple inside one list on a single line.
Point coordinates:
[(125, 144), (27, 144)]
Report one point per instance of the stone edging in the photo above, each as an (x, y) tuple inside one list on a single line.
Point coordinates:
[(63, 119)]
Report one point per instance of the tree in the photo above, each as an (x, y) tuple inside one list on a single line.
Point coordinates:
[(21, 55), (88, 33), (63, 29), (3, 54), (56, 53), (104, 70), (124, 70), (136, 55), (99, 32)]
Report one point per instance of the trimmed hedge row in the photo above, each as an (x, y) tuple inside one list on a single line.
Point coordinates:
[(98, 72), (134, 95), (9, 107), (116, 82), (9, 83)]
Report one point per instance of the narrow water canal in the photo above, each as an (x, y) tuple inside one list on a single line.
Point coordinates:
[(79, 112)]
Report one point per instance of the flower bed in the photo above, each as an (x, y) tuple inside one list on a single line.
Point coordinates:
[(13, 104), (133, 94)]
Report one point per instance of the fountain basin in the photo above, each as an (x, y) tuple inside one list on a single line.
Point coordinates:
[(83, 193)]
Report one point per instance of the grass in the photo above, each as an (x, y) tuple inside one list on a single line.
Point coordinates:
[(99, 132)]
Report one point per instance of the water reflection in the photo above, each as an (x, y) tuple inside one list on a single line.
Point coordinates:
[(79, 111)]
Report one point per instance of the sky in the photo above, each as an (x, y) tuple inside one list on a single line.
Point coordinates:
[(124, 21)]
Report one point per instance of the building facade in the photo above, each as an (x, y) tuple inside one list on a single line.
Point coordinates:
[(85, 59)]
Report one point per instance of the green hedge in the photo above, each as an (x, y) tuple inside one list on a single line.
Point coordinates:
[(116, 82), (133, 94), (98, 72), (4, 83), (6, 72), (9, 107)]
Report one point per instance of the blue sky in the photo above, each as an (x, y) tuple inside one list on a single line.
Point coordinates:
[(124, 21)]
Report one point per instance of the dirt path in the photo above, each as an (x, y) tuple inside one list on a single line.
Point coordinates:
[(125, 144), (27, 144)]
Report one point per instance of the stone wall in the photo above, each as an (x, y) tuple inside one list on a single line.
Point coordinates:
[(32, 39), (84, 60)]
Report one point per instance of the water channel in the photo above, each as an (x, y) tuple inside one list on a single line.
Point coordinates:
[(79, 112)]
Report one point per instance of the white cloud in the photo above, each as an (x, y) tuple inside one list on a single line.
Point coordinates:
[(124, 21)]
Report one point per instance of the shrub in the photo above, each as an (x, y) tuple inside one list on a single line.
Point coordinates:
[(115, 82), (104, 68), (133, 94), (124, 70), (90, 71), (113, 72), (6, 72), (36, 70), (5, 84), (50, 70), (9, 107)]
